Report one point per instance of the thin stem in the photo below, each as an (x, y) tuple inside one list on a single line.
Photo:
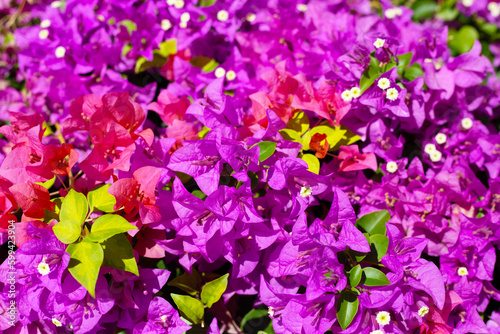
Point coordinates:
[(62, 182), (14, 17)]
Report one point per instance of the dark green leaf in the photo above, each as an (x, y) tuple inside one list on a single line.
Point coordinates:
[(355, 275), (404, 61), (267, 149), (374, 277), (67, 231), (424, 9), (118, 254), (462, 41), (107, 226), (74, 207), (374, 223), (192, 308), (101, 199), (413, 72), (347, 307), (212, 291), (379, 243), (371, 74), (253, 314), (86, 260), (188, 283)]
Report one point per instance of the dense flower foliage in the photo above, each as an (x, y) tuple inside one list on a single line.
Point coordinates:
[(234, 166)]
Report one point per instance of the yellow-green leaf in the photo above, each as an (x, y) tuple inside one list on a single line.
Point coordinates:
[(67, 231), (312, 162), (86, 260), (192, 308), (212, 291), (74, 207)]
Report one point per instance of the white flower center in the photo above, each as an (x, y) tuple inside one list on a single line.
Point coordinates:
[(45, 24), (251, 17), (56, 4), (467, 123), (185, 17), (393, 12), (423, 311), (220, 72), (356, 92), (306, 191), (43, 34), (56, 322), (377, 331), (179, 4), (164, 318), (467, 3), (429, 148), (384, 83), (441, 138), (183, 25), (271, 311), (494, 9), (43, 268), (302, 7), (462, 271), (383, 318), (166, 24), (347, 95), (379, 43), (222, 15), (392, 167), (170, 2), (60, 51), (392, 94), (436, 156), (230, 75)]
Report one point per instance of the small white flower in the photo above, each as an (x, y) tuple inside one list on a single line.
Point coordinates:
[(56, 4), (392, 167), (220, 72), (390, 13), (441, 138), (164, 318), (230, 75), (384, 83), (305, 191), (183, 25), (356, 92), (222, 15), (436, 156), (383, 318), (467, 3), (494, 9), (462, 271), (429, 148), (398, 11), (170, 2), (43, 34), (60, 51), (302, 8), (56, 322), (347, 95), (423, 311), (392, 94), (179, 4), (166, 24), (379, 43), (377, 331), (251, 17), (45, 24), (271, 311), (467, 123), (185, 17), (43, 268)]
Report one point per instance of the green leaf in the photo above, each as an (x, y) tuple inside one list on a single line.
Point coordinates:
[(212, 291), (312, 162), (200, 194), (206, 3), (371, 74), (355, 275), (192, 308), (291, 135), (118, 254), (299, 122), (333, 134), (413, 72), (74, 207), (49, 183), (379, 243), (107, 226), (130, 25), (404, 61), (68, 231), (347, 307), (188, 283), (253, 314), (424, 9), (86, 259), (374, 223), (101, 199), (462, 41), (267, 149), (167, 48), (448, 14), (374, 277)]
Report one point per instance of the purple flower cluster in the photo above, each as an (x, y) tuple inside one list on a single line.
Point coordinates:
[(335, 162)]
